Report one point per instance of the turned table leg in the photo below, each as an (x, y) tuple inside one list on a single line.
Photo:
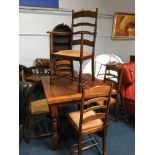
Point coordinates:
[(54, 124)]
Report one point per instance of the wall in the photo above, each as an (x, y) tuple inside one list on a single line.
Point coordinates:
[(34, 23)]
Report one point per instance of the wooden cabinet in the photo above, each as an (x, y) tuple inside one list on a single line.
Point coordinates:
[(61, 42)]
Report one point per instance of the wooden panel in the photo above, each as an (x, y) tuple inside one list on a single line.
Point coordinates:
[(83, 24), (85, 14), (99, 99), (84, 32), (85, 42), (95, 108), (93, 117)]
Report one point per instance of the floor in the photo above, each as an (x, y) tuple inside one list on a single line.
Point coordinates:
[(120, 141), (120, 138)]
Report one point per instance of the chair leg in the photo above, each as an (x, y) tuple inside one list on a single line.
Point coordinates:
[(29, 126), (80, 145), (104, 134), (20, 133)]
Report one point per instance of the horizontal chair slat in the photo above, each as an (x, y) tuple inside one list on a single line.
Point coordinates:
[(85, 42), (84, 32), (99, 99), (85, 14), (111, 80), (93, 117), (101, 91), (112, 75), (88, 43), (83, 24), (95, 108)]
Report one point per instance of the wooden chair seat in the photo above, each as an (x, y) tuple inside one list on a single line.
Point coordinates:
[(39, 107), (75, 118), (72, 54)]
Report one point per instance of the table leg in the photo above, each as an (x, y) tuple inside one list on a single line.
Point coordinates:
[(54, 117)]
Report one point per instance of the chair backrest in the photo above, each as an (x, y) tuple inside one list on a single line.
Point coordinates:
[(84, 23), (113, 74), (42, 62), (23, 72), (39, 70), (25, 92), (33, 71), (100, 93)]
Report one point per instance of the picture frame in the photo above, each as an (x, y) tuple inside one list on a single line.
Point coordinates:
[(123, 26)]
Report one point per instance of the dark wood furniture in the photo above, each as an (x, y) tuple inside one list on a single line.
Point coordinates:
[(132, 58), (42, 62), (37, 108), (25, 92), (33, 74), (83, 33), (63, 92), (37, 116), (60, 40), (91, 118), (114, 74)]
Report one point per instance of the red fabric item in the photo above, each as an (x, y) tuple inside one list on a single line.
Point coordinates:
[(127, 90), (130, 92)]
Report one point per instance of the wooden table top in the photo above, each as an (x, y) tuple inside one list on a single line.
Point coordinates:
[(63, 89)]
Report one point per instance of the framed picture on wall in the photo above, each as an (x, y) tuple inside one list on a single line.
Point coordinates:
[(123, 26), (40, 3)]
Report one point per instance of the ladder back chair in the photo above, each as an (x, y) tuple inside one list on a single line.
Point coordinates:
[(83, 36), (91, 118), (38, 110), (113, 74), (38, 117)]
